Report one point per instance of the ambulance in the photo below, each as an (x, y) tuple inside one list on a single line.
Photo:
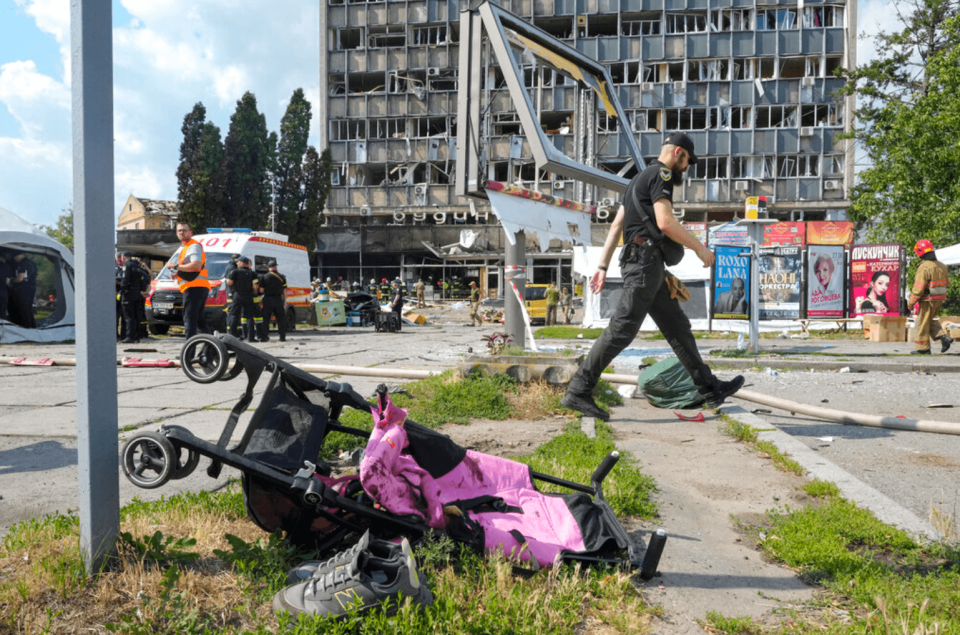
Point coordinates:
[(165, 303)]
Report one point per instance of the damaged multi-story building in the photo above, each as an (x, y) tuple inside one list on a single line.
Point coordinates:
[(755, 84)]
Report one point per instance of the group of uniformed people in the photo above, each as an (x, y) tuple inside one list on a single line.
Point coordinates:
[(253, 299), (18, 288)]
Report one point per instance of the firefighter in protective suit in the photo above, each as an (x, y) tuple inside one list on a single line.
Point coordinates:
[(929, 290)]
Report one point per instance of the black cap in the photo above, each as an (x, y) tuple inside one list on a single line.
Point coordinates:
[(681, 140), (272, 264), (236, 258), (243, 259), (127, 254)]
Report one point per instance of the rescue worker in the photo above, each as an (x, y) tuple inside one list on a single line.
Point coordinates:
[(929, 290), (189, 266), (226, 275), (645, 222), (240, 284), (385, 289), (552, 297), (419, 288), (566, 303), (117, 278), (146, 277), (24, 288), (475, 319), (130, 285), (6, 275), (372, 288), (396, 301), (338, 285), (273, 286)]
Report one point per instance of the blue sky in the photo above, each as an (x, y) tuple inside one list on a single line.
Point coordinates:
[(168, 55)]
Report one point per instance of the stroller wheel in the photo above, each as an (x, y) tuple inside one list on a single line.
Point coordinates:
[(204, 359), (185, 467), (149, 459)]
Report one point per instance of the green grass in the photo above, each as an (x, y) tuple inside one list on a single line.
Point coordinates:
[(731, 625), (748, 434), (567, 333), (821, 489)]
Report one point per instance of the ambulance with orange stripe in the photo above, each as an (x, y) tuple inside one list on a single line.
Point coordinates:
[(165, 303)]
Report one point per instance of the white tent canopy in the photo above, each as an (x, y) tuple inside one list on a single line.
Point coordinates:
[(16, 234), (949, 255)]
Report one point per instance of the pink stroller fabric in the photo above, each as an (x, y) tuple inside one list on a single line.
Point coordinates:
[(520, 521)]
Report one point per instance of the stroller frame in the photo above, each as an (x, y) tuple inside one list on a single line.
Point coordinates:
[(151, 459)]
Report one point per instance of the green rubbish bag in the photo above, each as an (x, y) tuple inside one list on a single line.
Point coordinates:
[(667, 384)]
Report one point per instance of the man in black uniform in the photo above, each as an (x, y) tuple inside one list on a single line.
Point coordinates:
[(396, 302), (226, 276), (273, 286), (6, 277), (240, 283), (117, 278), (146, 276), (24, 288), (646, 218), (130, 285)]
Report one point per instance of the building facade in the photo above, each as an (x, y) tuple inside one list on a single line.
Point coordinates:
[(753, 83), (144, 213)]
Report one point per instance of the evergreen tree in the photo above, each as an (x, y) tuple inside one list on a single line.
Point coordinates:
[(316, 177), (288, 175), (247, 157), (210, 177), (189, 177)]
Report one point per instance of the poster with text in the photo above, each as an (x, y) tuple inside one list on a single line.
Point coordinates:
[(699, 230), (781, 270), (875, 279), (784, 233), (728, 234), (829, 232), (731, 283), (825, 281)]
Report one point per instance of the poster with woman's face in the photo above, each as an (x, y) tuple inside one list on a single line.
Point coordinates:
[(875, 280), (825, 281)]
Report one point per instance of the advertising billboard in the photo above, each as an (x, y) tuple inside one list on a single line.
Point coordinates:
[(829, 232), (728, 234), (784, 233), (731, 283), (781, 272), (875, 279), (825, 281)]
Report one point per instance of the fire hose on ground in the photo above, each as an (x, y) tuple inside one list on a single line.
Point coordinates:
[(828, 414)]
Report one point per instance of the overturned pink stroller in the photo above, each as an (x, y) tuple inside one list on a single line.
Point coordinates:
[(412, 480)]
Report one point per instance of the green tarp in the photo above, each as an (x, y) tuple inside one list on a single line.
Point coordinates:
[(667, 384)]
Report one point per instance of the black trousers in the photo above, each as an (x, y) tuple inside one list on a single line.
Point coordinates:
[(194, 320), (23, 300), (643, 293), (274, 308), (131, 320), (241, 307)]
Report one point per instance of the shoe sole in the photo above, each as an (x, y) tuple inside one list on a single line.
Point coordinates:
[(600, 414)]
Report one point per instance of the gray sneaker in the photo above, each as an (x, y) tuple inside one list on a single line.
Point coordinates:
[(365, 583), (378, 548)]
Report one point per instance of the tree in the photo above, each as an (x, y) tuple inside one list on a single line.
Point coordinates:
[(316, 173), (189, 180), (909, 129), (246, 158), (62, 232), (288, 175)]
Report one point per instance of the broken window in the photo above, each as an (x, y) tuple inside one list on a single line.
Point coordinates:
[(708, 70), (808, 165), (347, 38), (686, 22), (348, 129), (776, 116), (641, 27), (834, 163), (387, 35), (776, 19), (822, 17), (365, 83), (646, 119), (425, 35), (710, 168), (600, 25), (686, 118), (731, 20), (388, 128)]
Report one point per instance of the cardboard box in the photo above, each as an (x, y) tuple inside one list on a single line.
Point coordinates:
[(869, 321), (416, 318), (889, 329), (330, 313)]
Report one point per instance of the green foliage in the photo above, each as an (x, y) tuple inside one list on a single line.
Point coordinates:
[(172, 613), (821, 489), (263, 561), (55, 526), (161, 550), (497, 342), (436, 400), (907, 124), (288, 177), (732, 625), (574, 456), (316, 186), (228, 504), (567, 333), (199, 174), (248, 153), (62, 232)]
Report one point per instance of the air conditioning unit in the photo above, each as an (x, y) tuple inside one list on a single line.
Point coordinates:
[(581, 20), (741, 186), (558, 185), (806, 131), (365, 210), (646, 86), (433, 71), (608, 202), (421, 189), (808, 81), (679, 86), (831, 184)]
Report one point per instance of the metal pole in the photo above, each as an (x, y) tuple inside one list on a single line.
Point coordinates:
[(756, 237), (97, 445), (515, 270)]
